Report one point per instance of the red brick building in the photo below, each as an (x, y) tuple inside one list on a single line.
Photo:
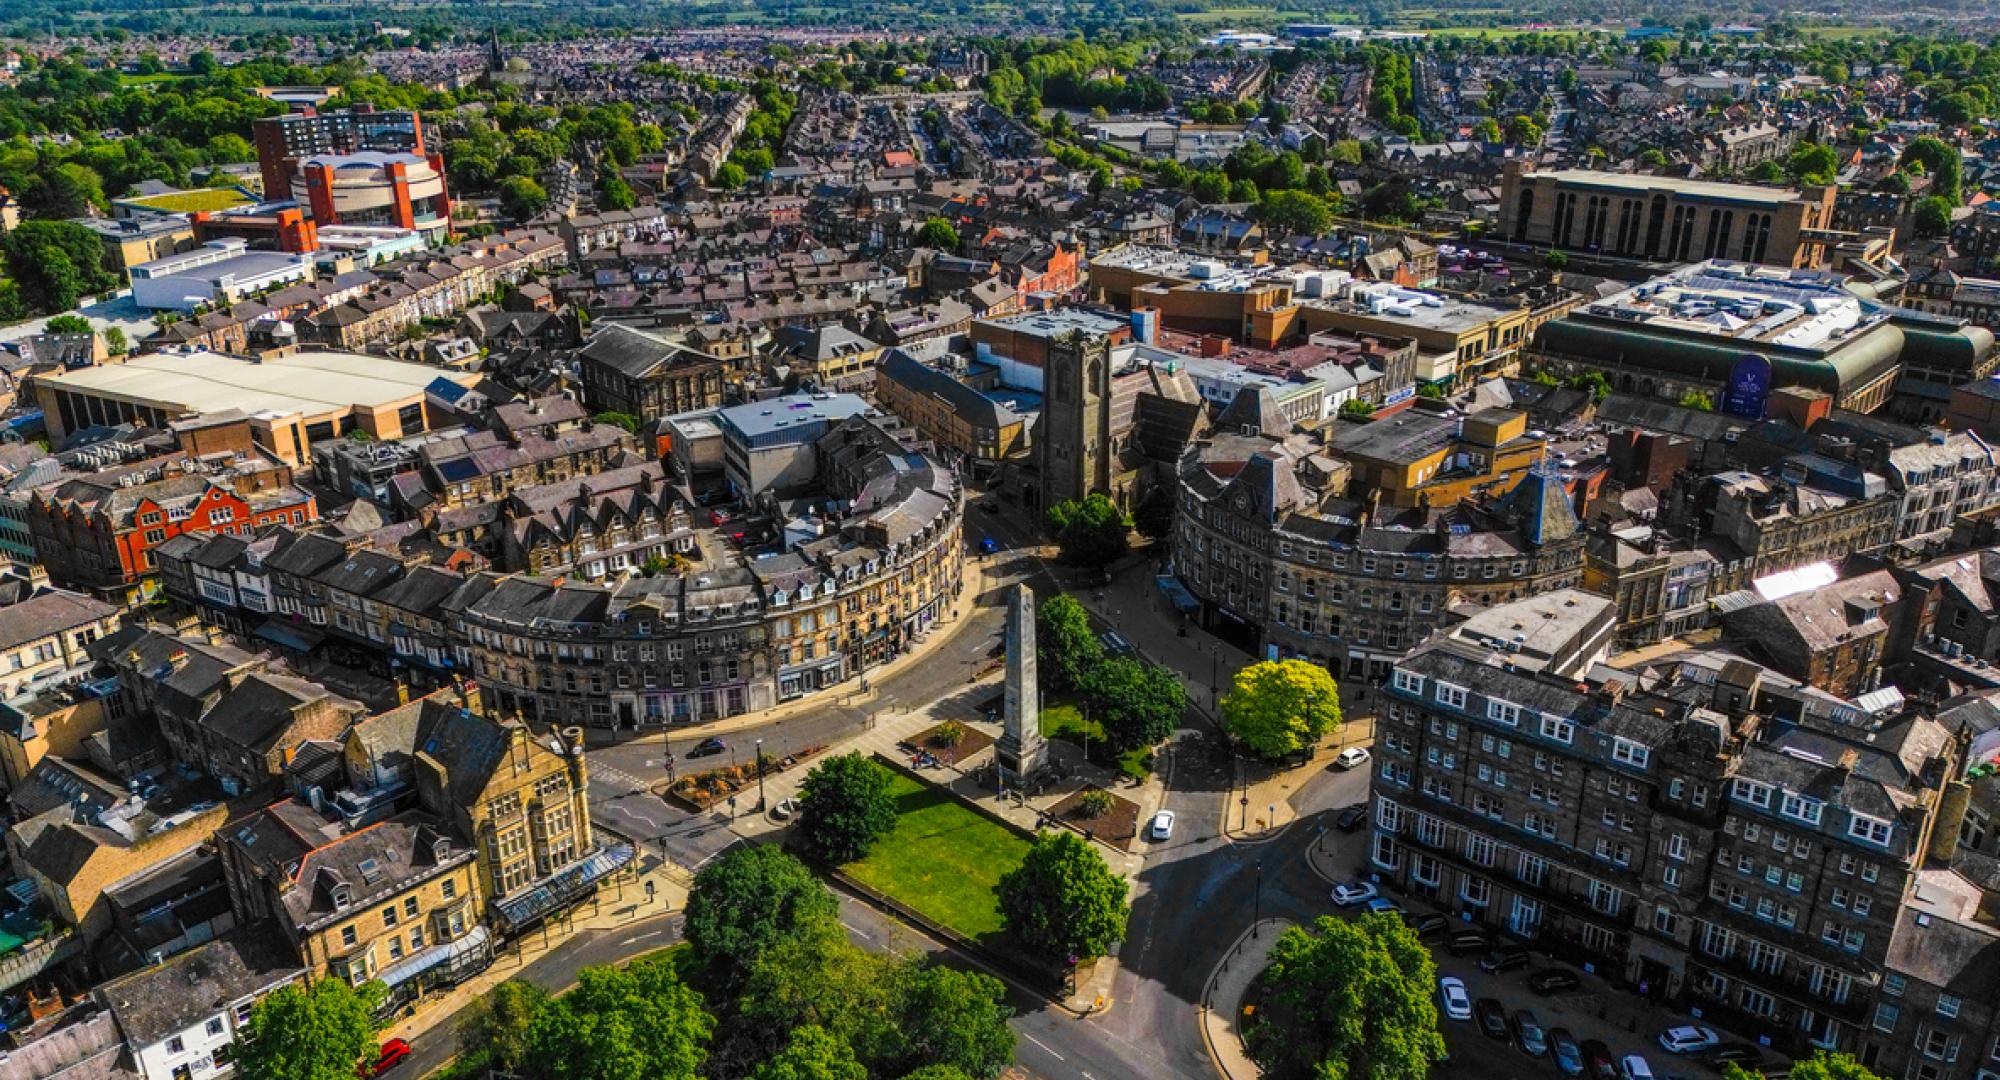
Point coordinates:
[(96, 533)]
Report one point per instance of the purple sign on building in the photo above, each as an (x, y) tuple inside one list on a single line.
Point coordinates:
[(1749, 387)]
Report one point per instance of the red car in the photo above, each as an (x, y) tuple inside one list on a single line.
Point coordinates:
[(393, 1053)]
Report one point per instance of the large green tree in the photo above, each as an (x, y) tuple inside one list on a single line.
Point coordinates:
[(1090, 531), (813, 1053), (320, 1033), (816, 976), (522, 198), (1294, 212), (1067, 650), (945, 1016), (639, 1022), (845, 807), (1942, 161), (56, 263), (1280, 707), (744, 902), (938, 234), (1821, 1066), (1063, 901), (1349, 1001), (496, 1026), (1932, 216), (1138, 703)]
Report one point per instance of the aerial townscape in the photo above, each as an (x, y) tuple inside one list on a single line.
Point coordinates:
[(1125, 540)]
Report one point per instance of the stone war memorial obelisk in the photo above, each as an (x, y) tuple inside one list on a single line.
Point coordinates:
[(1020, 753)]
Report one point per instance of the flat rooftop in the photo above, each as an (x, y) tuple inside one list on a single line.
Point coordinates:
[(765, 417), (1634, 182), (312, 382), (1539, 628), (1798, 309), (1058, 321)]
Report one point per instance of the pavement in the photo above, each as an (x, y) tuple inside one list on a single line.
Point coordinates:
[(1222, 1003)]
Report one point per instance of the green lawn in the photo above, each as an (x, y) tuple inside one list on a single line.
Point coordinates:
[(187, 202), (1064, 720), (945, 859)]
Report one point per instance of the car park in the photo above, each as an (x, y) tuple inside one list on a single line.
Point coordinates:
[(1529, 1035), (1492, 1017), (1352, 758), (1598, 1064), (1504, 958), (1457, 1004), (1468, 942), (1163, 826), (1634, 1067), (1352, 817), (1563, 1049), (1350, 893), (1553, 981), (1688, 1039)]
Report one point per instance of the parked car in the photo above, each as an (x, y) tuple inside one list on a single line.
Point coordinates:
[(1492, 1017), (1598, 1064), (1115, 643), (1468, 942), (1384, 906), (1352, 758), (1429, 926), (1452, 996), (1553, 981), (392, 1055), (1634, 1067), (708, 747), (1529, 1035), (1163, 826), (1567, 1054), (1350, 893), (1504, 958), (1742, 1054), (987, 546), (1688, 1039), (1351, 817)]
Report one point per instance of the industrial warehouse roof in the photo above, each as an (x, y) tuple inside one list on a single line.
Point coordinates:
[(303, 382)]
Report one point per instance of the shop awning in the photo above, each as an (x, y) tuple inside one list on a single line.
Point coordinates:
[(563, 886), (1177, 593), (434, 956)]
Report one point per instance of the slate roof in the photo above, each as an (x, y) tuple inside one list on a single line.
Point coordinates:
[(48, 613), (163, 1000)]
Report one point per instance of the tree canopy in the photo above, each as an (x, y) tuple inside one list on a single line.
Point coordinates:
[(1821, 1066), (1066, 648), (1280, 707), (938, 234), (320, 1033), (1138, 703), (639, 1022), (845, 808), (1063, 903), (1091, 531), (745, 901), (1349, 1001)]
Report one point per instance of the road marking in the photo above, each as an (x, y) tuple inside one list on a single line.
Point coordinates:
[(857, 930), (644, 936), (1043, 1045)]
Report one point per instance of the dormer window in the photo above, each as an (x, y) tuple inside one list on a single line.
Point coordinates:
[(343, 895), (440, 849)]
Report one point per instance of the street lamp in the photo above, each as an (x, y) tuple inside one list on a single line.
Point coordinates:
[(760, 774), (1257, 903)]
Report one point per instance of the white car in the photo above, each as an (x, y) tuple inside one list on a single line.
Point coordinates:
[(1350, 893), (1352, 758), (1691, 1039), (1634, 1067), (1451, 994), (1163, 826)]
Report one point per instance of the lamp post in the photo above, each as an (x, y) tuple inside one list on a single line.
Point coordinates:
[(760, 774), (1257, 902)]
